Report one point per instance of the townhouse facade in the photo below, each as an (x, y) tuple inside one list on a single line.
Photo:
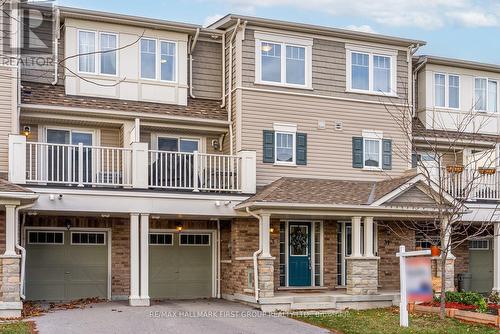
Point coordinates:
[(254, 160)]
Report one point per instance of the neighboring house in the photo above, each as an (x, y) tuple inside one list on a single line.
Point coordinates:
[(457, 112), (250, 160)]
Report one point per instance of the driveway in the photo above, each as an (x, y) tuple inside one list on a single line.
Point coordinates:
[(193, 316)]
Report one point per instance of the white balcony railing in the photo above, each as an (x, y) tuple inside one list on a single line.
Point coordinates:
[(134, 167), (194, 171), (472, 183), (78, 165)]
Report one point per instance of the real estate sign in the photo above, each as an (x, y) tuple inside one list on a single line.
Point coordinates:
[(418, 279)]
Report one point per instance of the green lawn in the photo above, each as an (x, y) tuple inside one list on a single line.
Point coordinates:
[(18, 327), (386, 321)]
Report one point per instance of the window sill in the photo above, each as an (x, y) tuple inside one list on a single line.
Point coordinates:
[(277, 84), (281, 164), (367, 92), (372, 169)]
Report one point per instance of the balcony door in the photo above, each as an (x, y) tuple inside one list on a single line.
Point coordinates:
[(63, 156)]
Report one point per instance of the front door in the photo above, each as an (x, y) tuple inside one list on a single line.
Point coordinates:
[(299, 256)]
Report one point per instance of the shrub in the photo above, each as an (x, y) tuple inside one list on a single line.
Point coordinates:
[(468, 298)]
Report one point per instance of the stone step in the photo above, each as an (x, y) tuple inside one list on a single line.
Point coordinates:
[(313, 306), (312, 299)]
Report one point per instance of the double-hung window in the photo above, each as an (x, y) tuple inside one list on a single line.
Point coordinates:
[(283, 60), (485, 94), (158, 60), (371, 71), (446, 91), (285, 147), (372, 153), (101, 60)]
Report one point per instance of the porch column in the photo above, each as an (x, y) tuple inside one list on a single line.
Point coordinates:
[(134, 298), (265, 226), (144, 272), (496, 257), (10, 230), (450, 258), (368, 236), (356, 236)]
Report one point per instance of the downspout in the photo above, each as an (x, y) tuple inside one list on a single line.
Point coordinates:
[(254, 256), (223, 104), (218, 258), (413, 50), (56, 47), (193, 44), (230, 90), (21, 248)]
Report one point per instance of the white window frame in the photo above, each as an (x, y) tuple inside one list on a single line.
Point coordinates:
[(116, 53), (155, 137), (446, 90), (97, 54), (195, 245), (158, 60), (284, 41), (487, 94), (280, 128), (372, 135), (88, 244), (371, 52), (162, 233), (45, 243)]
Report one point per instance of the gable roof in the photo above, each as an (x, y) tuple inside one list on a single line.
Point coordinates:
[(55, 95), (310, 192), (8, 187)]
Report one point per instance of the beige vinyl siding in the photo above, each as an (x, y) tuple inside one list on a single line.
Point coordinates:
[(7, 108), (451, 158), (110, 137), (5, 29), (328, 70), (207, 70), (329, 151)]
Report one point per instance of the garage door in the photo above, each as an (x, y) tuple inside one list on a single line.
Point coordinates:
[(180, 265), (66, 265), (481, 265)]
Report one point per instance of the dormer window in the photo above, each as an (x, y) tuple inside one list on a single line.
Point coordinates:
[(97, 61)]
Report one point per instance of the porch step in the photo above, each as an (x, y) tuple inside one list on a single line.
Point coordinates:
[(313, 306)]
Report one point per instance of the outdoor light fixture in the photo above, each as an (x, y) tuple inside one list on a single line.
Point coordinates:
[(68, 224), (271, 230), (26, 131), (178, 227)]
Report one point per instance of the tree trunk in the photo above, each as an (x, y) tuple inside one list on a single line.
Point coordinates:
[(442, 298)]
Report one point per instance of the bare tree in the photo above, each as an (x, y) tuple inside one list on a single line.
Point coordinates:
[(455, 178)]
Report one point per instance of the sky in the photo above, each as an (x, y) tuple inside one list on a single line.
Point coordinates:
[(464, 29)]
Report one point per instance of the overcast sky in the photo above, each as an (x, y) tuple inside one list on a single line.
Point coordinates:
[(466, 29)]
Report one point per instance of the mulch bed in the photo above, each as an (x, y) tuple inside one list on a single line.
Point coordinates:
[(492, 308)]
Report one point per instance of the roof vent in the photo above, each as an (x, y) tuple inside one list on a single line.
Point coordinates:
[(338, 126)]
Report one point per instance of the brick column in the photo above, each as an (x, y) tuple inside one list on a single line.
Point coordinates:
[(266, 277), (450, 271), (10, 298), (362, 275)]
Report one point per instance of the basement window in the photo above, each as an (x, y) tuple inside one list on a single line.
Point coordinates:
[(88, 238), (45, 237), (194, 240)]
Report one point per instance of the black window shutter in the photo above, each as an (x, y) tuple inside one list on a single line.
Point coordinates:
[(414, 160), (386, 154), (301, 149), (357, 152), (268, 148)]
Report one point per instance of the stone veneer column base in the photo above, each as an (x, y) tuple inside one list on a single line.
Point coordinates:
[(450, 271), (10, 293), (362, 275), (266, 277)]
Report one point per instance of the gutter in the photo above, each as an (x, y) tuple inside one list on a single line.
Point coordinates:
[(254, 257), (414, 90), (21, 248), (57, 35), (193, 44)]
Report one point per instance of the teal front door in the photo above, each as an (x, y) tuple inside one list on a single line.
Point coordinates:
[(299, 256)]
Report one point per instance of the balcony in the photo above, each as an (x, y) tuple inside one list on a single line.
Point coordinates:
[(132, 167), (470, 183)]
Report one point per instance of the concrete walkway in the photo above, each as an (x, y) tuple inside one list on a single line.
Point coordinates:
[(183, 317)]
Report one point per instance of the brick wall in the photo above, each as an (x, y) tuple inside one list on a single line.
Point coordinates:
[(330, 254)]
